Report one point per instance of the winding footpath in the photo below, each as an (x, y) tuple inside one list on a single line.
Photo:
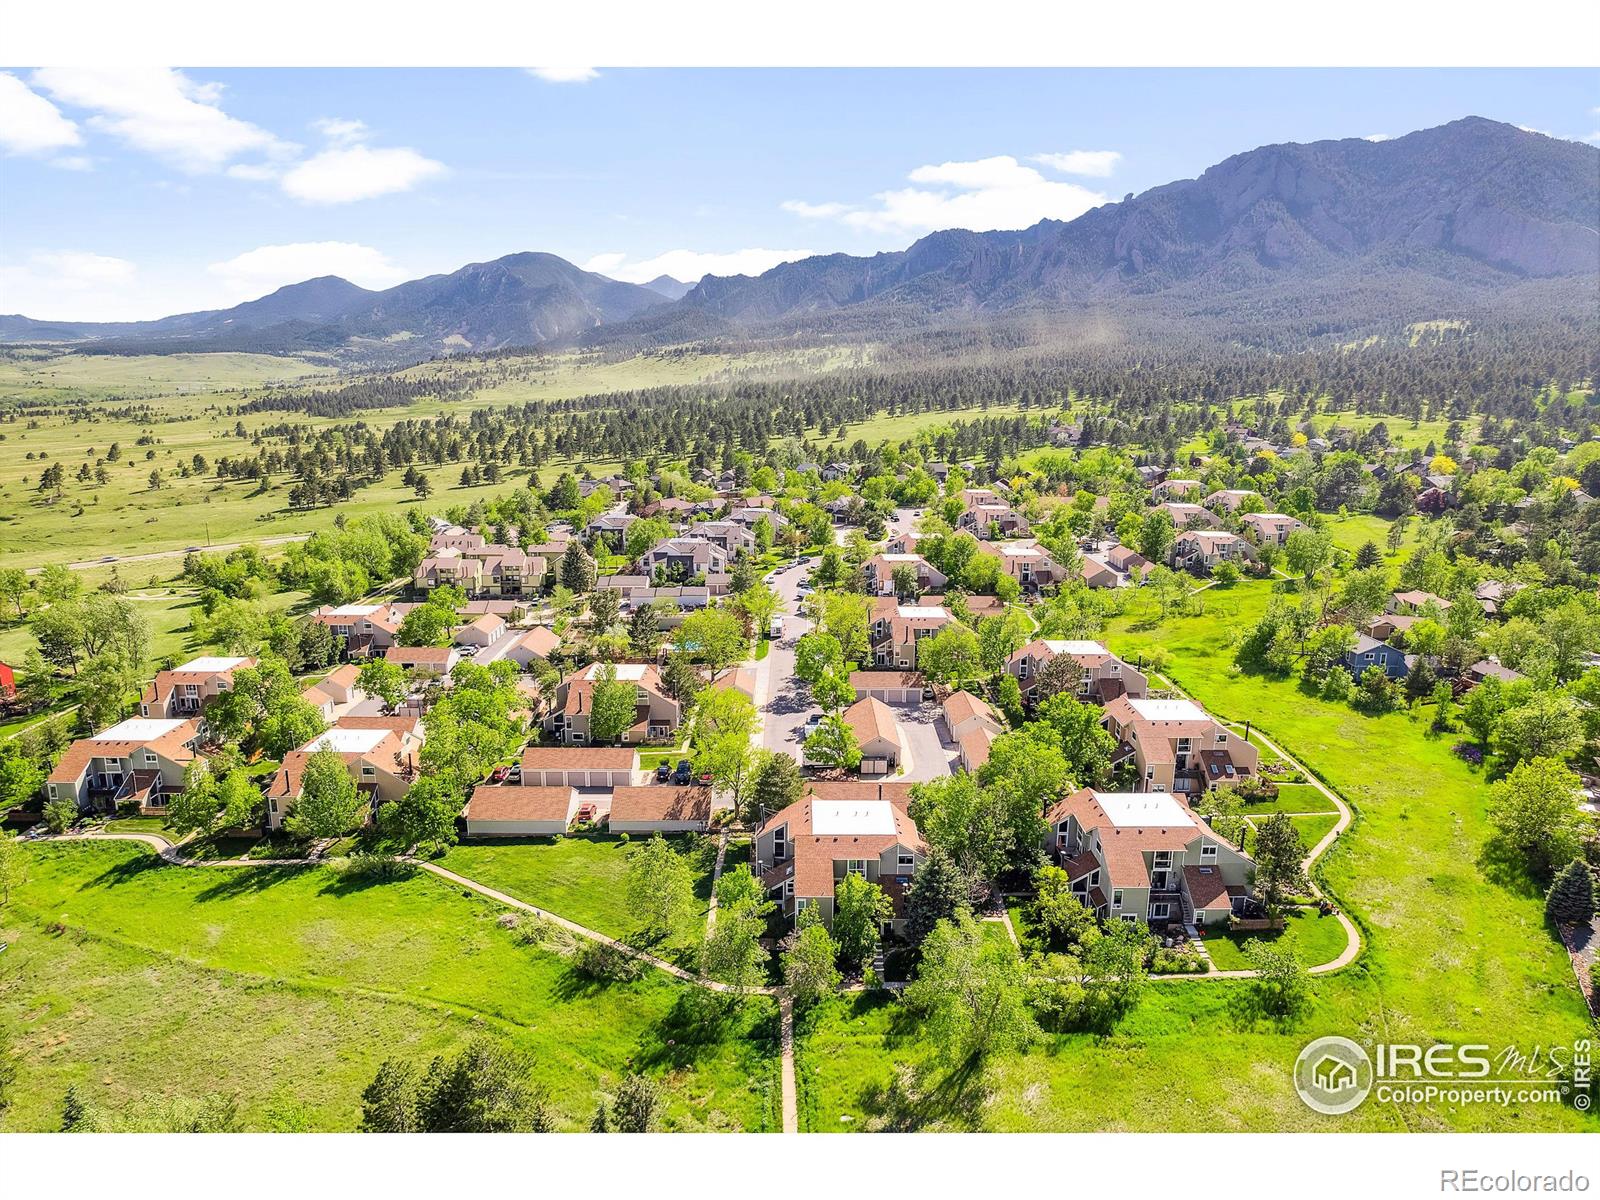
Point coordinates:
[(169, 852)]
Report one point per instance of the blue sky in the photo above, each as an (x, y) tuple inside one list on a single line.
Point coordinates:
[(136, 194)]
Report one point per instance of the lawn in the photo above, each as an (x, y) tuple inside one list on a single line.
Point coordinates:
[(584, 879), (1314, 940), (285, 987), (1455, 949), (1291, 798)]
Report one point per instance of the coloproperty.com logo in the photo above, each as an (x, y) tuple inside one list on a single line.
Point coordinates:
[(1335, 1075)]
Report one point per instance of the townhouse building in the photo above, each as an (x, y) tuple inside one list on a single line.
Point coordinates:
[(1176, 746)]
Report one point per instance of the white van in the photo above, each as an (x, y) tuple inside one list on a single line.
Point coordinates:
[(775, 629)]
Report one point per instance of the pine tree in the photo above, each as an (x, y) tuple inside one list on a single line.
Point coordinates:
[(1571, 898)]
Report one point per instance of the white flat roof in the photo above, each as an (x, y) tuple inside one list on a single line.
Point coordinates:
[(901, 557), (626, 672), (347, 741), (137, 729), (1133, 810), (354, 610), (830, 818), (1025, 551), (211, 662), (1058, 646), (1169, 710), (915, 612)]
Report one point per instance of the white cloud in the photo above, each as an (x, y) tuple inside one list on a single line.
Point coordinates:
[(267, 268), (341, 130), (73, 162), (344, 173), (63, 284), (982, 194), (689, 266), (1098, 163), (1377, 137), (162, 112), (30, 124), (254, 172), (814, 212), (564, 74)]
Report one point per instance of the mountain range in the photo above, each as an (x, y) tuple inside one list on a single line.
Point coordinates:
[(1323, 234)]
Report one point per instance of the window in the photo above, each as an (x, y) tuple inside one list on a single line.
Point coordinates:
[(1094, 878), (1130, 918), (1222, 739), (1116, 900), (272, 804), (1208, 852), (906, 862), (855, 866), (1159, 912), (788, 887), (366, 770), (780, 844)]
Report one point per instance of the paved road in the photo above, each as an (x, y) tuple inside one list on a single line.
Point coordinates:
[(154, 555), (785, 701)]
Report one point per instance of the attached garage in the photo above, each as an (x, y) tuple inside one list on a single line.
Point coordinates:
[(871, 720), (513, 811), (661, 809), (890, 687), (579, 766)]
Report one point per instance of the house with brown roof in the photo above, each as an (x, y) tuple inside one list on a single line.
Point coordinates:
[(1270, 529), (1175, 489), (1029, 563), (896, 628), (660, 809), (1229, 500), (656, 714), (540, 642), (579, 766), (892, 687), (879, 571), (449, 568), (379, 752), (184, 691), (973, 726), (335, 692), (1189, 516), (429, 660), (517, 810), (1202, 550), (728, 536), (1416, 603), (480, 631), (365, 628), (872, 721), (685, 557), (1102, 676), (1141, 856), (141, 760), (805, 850), (1176, 746)]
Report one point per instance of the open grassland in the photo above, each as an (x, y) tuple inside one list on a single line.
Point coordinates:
[(193, 396), (1456, 950), (286, 988), (583, 878)]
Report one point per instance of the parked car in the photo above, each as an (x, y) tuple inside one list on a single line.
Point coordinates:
[(775, 630), (705, 778), (500, 775), (810, 726), (663, 772), (683, 772)]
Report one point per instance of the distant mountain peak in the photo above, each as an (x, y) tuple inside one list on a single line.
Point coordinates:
[(672, 289)]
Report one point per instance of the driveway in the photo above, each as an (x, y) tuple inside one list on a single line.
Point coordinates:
[(785, 701), (921, 733)]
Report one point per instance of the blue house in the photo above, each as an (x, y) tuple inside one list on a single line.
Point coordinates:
[(1370, 652)]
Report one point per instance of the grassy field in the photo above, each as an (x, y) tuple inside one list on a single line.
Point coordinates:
[(1455, 950), (1314, 939), (286, 987), (581, 878), (190, 395)]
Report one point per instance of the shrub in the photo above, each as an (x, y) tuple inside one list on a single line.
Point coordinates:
[(128, 808), (59, 815), (602, 960)]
